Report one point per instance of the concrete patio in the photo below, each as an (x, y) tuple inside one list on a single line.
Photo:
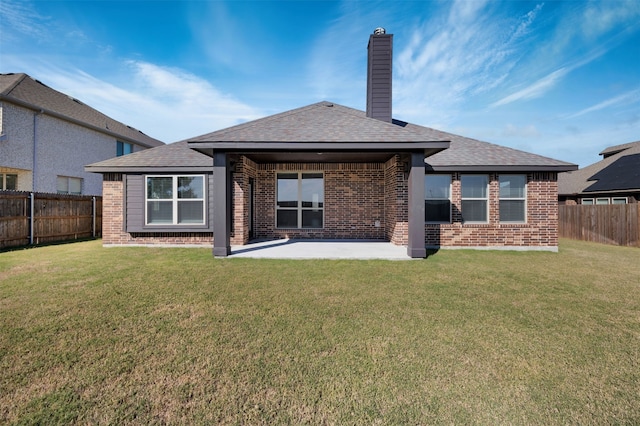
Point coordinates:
[(320, 249)]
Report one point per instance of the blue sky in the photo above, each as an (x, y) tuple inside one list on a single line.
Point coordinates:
[(557, 78)]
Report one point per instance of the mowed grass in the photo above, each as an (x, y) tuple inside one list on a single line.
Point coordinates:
[(90, 335)]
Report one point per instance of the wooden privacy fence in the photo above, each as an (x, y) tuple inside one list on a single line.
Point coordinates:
[(28, 218), (610, 224)]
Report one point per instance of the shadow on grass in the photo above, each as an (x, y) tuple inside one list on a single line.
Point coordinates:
[(47, 244)]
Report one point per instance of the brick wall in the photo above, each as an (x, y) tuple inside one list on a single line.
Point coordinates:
[(356, 196), (354, 200), (540, 229), (396, 197), (113, 222)]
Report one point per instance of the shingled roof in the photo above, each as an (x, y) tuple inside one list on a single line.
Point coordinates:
[(618, 171), (328, 125), (319, 122), (24, 91)]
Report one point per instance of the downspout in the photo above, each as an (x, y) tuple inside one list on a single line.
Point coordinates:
[(35, 149)]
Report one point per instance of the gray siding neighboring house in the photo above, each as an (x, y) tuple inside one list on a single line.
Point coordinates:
[(47, 137), (613, 180)]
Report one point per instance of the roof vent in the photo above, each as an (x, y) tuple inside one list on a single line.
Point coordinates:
[(379, 31)]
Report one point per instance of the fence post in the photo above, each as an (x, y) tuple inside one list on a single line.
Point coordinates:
[(93, 217), (31, 214)]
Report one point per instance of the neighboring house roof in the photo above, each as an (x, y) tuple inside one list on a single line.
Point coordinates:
[(618, 171), (23, 90), (328, 127)]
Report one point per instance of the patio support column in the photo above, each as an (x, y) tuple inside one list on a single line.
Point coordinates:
[(416, 241), (221, 205)]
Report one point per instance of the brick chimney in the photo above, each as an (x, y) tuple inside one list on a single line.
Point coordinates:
[(379, 67)]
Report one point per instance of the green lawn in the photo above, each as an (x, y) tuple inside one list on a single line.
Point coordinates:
[(93, 335)]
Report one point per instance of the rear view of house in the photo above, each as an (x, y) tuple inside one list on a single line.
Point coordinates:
[(47, 137), (326, 171)]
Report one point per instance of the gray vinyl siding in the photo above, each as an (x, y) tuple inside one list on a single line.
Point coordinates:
[(379, 77), (135, 209)]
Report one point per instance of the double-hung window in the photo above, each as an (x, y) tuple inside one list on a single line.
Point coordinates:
[(475, 198), (437, 198), (300, 200), (69, 185), (513, 193), (175, 200)]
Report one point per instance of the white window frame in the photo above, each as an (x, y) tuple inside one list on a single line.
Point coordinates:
[(68, 180), (299, 208), (614, 199), (3, 181), (589, 202), (175, 201), (427, 198), (524, 198), (602, 201), (485, 199)]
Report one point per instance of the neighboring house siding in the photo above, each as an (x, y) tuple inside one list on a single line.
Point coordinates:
[(540, 229), (62, 149)]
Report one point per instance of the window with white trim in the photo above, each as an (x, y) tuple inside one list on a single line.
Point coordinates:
[(513, 198), (475, 198), (602, 201), (437, 198), (300, 200), (587, 201), (619, 200), (175, 200), (69, 185), (8, 181)]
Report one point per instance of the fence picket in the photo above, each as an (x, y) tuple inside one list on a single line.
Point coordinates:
[(609, 224), (56, 217)]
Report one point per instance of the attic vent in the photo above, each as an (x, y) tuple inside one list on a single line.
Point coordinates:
[(75, 100), (379, 31)]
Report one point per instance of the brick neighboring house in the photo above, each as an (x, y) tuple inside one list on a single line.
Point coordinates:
[(326, 171), (613, 180), (47, 137)]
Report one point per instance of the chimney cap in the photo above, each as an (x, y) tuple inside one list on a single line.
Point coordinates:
[(379, 31)]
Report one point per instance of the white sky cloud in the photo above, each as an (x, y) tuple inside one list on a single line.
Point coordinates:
[(535, 90), (177, 105), (625, 98)]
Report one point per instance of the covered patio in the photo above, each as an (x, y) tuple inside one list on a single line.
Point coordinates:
[(320, 249)]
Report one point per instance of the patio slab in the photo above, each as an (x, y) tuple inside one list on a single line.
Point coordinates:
[(320, 249)]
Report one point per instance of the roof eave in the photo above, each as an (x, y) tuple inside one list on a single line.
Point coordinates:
[(237, 147), (502, 168), (144, 170)]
